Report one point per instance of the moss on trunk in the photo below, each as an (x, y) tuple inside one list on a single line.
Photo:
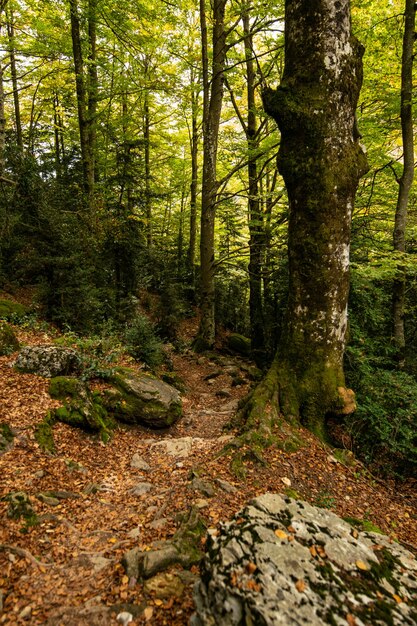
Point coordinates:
[(321, 162)]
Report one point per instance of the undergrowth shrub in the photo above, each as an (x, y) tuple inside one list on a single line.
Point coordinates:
[(142, 342), (172, 308), (98, 354), (384, 427)]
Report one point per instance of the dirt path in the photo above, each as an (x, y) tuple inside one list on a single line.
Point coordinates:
[(66, 568)]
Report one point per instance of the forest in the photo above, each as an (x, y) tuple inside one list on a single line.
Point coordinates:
[(214, 200), (136, 158)]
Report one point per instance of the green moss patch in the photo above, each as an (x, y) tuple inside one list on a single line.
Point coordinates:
[(11, 310), (44, 433), (8, 340), (62, 387), (82, 408)]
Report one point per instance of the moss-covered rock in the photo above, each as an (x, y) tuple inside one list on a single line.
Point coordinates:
[(142, 399), (20, 506), (6, 437), (82, 408), (44, 433), (61, 387), (8, 340), (239, 344), (11, 310)]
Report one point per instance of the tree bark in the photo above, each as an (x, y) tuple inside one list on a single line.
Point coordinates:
[(83, 101), (194, 179), (213, 97), (256, 226), (406, 180), (13, 70), (321, 162)]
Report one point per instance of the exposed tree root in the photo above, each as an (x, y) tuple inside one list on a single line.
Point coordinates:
[(25, 553)]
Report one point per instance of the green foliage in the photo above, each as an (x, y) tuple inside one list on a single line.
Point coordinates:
[(44, 433), (8, 340), (142, 342), (12, 311), (6, 436), (325, 500), (98, 353), (173, 307), (384, 426)]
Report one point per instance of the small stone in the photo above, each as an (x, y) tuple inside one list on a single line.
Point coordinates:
[(226, 486), (139, 463), (158, 524), (286, 481), (48, 499), (99, 562), (141, 488), (223, 393), (134, 533), (124, 618), (26, 613), (225, 438), (180, 448), (205, 487), (200, 503), (165, 585)]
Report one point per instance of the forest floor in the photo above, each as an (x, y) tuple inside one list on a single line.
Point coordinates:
[(66, 569)]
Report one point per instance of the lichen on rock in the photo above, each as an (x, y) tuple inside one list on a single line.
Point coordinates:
[(47, 361), (284, 562)]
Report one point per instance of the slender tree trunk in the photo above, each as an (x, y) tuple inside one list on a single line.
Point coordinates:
[(82, 102), (194, 181), (321, 162), (256, 227), (57, 143), (92, 90), (13, 70), (406, 180), (213, 96), (148, 203)]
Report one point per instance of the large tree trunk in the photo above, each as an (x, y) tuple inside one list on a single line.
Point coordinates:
[(321, 162), (406, 180)]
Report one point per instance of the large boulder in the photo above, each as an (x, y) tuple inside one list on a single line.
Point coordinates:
[(8, 340), (48, 361), (285, 562), (142, 399)]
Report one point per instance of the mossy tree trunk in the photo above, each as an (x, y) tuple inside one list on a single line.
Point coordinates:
[(321, 162)]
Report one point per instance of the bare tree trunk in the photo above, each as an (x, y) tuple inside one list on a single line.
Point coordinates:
[(213, 96), (256, 227), (148, 202), (321, 162), (10, 33), (194, 180), (82, 103), (406, 180)]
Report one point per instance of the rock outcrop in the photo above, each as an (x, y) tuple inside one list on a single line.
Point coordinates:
[(47, 361), (284, 562), (142, 399)]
